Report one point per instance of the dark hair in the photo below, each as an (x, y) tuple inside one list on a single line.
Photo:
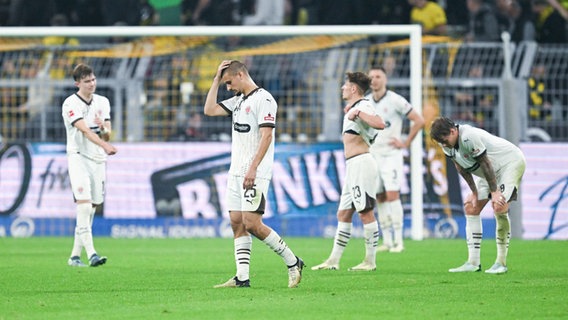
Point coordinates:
[(235, 67), (381, 68), (441, 127), (81, 71), (360, 79)]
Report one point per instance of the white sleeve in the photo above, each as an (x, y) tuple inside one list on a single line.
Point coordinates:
[(70, 112), (106, 109)]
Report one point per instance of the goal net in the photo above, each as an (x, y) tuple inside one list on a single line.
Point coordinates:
[(157, 79)]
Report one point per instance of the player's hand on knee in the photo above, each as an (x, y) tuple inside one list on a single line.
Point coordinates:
[(499, 204), (470, 203)]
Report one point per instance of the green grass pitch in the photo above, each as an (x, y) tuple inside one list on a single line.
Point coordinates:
[(174, 278)]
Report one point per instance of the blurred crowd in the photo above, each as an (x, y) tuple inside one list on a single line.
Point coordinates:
[(545, 21)]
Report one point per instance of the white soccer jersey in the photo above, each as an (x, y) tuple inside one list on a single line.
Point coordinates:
[(74, 109), (250, 113), (472, 142), (393, 108), (359, 127)]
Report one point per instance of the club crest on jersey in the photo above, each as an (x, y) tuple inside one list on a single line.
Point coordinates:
[(247, 109), (269, 117)]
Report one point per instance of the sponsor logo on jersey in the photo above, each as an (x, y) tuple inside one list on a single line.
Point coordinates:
[(242, 128), (71, 113), (269, 117)]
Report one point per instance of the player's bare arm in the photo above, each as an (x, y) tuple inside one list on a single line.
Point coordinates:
[(488, 171), (265, 141), (372, 120), (212, 108), (470, 182), (497, 199), (467, 177), (104, 127), (417, 125), (82, 126)]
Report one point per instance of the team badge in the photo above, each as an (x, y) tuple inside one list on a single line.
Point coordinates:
[(269, 117)]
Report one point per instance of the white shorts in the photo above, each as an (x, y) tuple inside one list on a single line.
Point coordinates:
[(87, 178), (360, 183), (251, 200), (508, 180), (390, 172)]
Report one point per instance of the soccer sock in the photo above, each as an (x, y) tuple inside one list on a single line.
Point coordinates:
[(278, 245), (92, 217), (474, 234), (77, 245), (397, 216), (342, 236), (503, 236), (385, 222), (371, 234), (243, 247), (83, 228)]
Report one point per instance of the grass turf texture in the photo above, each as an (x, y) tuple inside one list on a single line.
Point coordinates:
[(174, 278)]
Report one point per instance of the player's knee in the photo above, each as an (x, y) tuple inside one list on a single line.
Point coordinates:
[(82, 229), (392, 196), (500, 208), (367, 216), (384, 219), (469, 209)]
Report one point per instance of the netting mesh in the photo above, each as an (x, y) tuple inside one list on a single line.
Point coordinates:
[(157, 85)]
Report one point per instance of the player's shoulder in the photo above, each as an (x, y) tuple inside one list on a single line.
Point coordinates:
[(263, 93), (101, 98), (469, 129), (392, 95), (363, 103), (469, 132), (72, 97), (261, 96), (72, 100)]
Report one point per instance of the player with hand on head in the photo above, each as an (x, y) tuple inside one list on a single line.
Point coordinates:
[(86, 116), (500, 166), (387, 149), (360, 127), (253, 111)]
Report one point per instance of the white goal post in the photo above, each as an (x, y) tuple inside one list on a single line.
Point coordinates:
[(412, 31)]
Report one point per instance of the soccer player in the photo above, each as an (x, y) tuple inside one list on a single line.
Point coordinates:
[(253, 111), (360, 127), (500, 165), (86, 117), (387, 149)]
